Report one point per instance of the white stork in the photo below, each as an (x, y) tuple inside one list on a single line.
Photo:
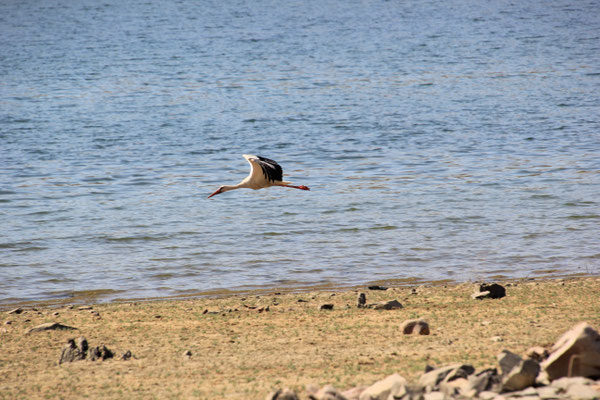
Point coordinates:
[(264, 173)]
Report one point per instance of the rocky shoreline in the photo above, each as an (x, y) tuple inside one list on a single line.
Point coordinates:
[(570, 369), (507, 340)]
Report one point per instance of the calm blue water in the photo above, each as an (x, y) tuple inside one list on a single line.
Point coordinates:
[(442, 140)]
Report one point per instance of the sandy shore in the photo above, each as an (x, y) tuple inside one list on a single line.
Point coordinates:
[(243, 347)]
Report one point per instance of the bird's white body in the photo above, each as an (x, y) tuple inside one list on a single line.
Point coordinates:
[(264, 173), (257, 179)]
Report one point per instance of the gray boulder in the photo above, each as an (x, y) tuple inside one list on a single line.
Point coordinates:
[(435, 377), (576, 353), (517, 374), (392, 385), (486, 380)]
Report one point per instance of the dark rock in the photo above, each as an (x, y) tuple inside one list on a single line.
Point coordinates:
[(127, 355), (100, 353), (283, 394), (486, 380), (507, 361), (496, 291), (517, 374), (326, 307), (491, 291), (16, 311), (376, 287), (49, 326), (187, 354), (74, 351), (82, 344), (84, 308), (302, 301), (361, 300), (434, 378), (386, 305), (416, 326)]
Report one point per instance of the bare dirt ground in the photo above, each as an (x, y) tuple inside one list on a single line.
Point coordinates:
[(241, 352)]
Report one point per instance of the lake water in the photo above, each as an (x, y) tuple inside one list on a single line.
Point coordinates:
[(453, 140)]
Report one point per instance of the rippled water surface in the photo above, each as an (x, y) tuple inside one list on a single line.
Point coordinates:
[(441, 140)]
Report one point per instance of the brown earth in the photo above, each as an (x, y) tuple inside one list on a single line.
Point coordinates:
[(239, 352)]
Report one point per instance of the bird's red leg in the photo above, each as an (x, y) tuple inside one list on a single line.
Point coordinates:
[(301, 187)]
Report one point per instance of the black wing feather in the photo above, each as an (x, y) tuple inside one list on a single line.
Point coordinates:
[(271, 169)]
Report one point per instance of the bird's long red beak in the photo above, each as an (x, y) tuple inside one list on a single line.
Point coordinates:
[(216, 192)]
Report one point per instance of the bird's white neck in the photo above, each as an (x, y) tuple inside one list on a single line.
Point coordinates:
[(227, 188)]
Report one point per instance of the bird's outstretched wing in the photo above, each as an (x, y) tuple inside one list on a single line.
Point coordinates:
[(271, 169)]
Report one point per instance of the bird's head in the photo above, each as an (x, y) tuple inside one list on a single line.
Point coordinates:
[(219, 190)]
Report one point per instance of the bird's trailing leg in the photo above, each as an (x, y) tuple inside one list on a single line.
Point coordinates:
[(301, 187)]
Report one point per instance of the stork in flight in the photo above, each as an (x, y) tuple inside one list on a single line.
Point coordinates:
[(264, 173)]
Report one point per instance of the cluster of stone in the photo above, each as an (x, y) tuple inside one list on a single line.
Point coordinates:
[(570, 369), (77, 350)]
